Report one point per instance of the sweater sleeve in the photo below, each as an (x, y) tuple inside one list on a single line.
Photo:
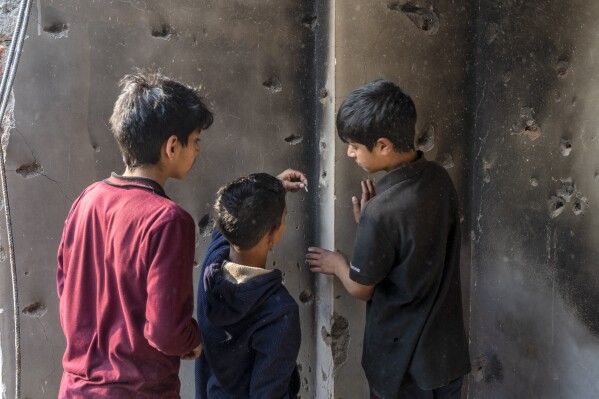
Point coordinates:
[(169, 325), (276, 346)]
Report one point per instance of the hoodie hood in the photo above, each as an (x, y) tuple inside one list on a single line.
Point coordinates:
[(229, 301)]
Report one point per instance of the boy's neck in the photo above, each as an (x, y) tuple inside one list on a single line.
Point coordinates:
[(255, 257), (400, 159), (153, 172)]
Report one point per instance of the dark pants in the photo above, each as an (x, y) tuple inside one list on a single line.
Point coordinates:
[(453, 390)]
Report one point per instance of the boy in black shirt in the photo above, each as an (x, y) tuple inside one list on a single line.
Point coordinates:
[(406, 254)]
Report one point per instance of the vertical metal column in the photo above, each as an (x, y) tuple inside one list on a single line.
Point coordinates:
[(325, 86)]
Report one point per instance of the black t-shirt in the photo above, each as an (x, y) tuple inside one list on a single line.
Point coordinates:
[(408, 244)]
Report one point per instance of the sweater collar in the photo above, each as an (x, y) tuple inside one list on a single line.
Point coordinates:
[(144, 183), (403, 172)]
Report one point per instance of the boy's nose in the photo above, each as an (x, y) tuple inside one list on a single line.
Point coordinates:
[(350, 152)]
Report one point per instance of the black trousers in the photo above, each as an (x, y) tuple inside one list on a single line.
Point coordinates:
[(453, 390)]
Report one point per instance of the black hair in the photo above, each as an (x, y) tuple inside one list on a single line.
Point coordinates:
[(248, 208), (150, 109), (379, 109)]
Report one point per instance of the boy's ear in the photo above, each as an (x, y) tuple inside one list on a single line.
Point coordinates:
[(170, 146), (384, 145)]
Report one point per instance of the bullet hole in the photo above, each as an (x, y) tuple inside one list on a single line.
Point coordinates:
[(36, 309), (3, 254), (567, 190), (300, 367), (206, 225), (310, 22), (425, 18), (579, 206), (340, 339), (445, 160), (528, 124), (306, 296), (96, 148), (565, 147), (324, 174), (323, 146), (324, 375), (426, 140), (596, 176), (324, 96), (294, 139), (491, 33), (395, 340), (196, 264), (555, 206), (562, 68), (26, 273), (326, 337), (573, 102), (57, 30), (534, 182), (273, 84), (31, 170), (274, 263), (164, 32), (306, 382)]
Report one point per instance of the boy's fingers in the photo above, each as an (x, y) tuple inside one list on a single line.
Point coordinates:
[(357, 208), (370, 186)]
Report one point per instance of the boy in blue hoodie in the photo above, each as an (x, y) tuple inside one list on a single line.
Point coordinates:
[(249, 321)]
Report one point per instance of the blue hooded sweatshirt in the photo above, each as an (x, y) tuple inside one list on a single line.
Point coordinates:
[(250, 332)]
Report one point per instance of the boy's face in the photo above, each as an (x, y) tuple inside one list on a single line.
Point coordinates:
[(367, 160), (188, 154)]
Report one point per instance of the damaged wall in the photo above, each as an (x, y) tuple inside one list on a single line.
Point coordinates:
[(505, 92), (535, 319)]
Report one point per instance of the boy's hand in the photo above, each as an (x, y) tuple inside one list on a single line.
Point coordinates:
[(367, 193), (293, 180), (323, 261), (194, 354)]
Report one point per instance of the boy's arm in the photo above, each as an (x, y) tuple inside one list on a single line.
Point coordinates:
[(328, 262), (276, 345), (169, 325)]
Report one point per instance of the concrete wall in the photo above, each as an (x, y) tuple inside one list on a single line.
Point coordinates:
[(506, 88)]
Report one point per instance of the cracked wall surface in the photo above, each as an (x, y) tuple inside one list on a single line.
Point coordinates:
[(506, 100)]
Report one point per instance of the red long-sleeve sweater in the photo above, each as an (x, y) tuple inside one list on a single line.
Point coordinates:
[(125, 285)]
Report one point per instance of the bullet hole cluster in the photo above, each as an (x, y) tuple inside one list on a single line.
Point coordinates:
[(564, 195)]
